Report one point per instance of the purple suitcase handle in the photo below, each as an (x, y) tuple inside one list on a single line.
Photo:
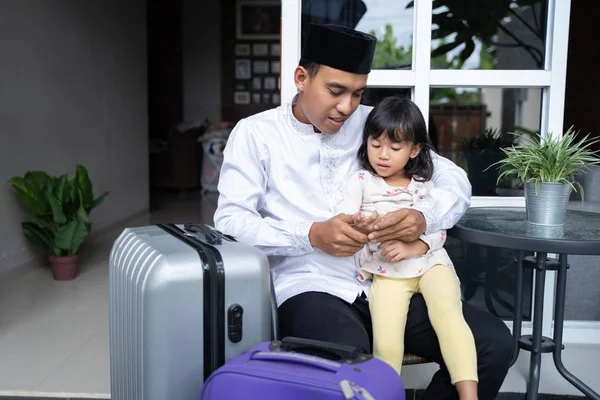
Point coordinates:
[(297, 358), (343, 352)]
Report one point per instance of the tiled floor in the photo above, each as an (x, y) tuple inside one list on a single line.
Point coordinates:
[(54, 335)]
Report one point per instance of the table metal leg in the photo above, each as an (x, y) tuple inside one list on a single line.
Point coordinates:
[(518, 307), (535, 362), (559, 317)]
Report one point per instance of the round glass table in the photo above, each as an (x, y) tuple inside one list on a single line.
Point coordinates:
[(508, 228)]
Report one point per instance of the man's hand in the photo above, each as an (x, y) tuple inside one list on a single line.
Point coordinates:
[(396, 250), (365, 224), (406, 225), (336, 237)]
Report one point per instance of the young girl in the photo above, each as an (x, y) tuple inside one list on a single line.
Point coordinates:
[(397, 171)]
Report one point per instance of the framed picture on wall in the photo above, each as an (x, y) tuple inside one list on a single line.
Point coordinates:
[(261, 67), (260, 49), (258, 19), (242, 49), (241, 97), (257, 83), (275, 67), (275, 49), (242, 69), (270, 83), (256, 98)]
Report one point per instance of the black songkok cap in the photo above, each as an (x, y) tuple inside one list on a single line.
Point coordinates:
[(339, 47)]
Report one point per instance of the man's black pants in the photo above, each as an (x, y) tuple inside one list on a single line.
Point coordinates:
[(325, 317)]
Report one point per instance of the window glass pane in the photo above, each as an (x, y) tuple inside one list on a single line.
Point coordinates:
[(487, 277), (373, 95), (391, 21), (471, 125), (490, 34)]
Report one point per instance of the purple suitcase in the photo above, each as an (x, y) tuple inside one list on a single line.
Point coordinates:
[(299, 369)]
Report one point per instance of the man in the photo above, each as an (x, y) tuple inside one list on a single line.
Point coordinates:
[(284, 173)]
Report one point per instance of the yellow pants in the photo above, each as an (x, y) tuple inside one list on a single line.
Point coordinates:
[(388, 302)]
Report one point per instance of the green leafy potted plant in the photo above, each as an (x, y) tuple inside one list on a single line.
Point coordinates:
[(57, 216), (481, 151), (547, 167)]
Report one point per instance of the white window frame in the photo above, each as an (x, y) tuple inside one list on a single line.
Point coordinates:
[(421, 78)]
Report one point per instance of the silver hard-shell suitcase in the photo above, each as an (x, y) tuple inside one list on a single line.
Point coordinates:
[(183, 300)]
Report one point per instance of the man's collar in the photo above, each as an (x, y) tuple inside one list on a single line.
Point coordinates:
[(296, 124)]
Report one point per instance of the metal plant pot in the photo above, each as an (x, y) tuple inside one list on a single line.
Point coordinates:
[(549, 206)]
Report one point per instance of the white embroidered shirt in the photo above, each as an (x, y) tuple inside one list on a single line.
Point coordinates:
[(279, 176)]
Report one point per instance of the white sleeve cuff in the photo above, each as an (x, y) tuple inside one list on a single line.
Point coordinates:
[(429, 242), (300, 236), (435, 240), (430, 220)]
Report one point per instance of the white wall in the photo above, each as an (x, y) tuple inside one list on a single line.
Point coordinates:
[(72, 90), (202, 60)]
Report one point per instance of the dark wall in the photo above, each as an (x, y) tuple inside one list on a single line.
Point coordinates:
[(165, 66), (582, 96)]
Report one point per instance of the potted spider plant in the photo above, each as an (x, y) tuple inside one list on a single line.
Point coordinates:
[(57, 215), (481, 151), (547, 167)]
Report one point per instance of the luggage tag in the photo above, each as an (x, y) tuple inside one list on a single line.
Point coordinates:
[(353, 391)]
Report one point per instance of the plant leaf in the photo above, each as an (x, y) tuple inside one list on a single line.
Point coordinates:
[(549, 159), (38, 234), (59, 189), (71, 191), (443, 49), (98, 201), (29, 196), (83, 181), (71, 202), (43, 222), (57, 209), (37, 180), (468, 50), (83, 214), (71, 236)]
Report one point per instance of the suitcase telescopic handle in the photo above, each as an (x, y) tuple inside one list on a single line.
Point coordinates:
[(302, 345)]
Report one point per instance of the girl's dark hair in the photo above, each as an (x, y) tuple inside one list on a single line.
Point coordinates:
[(403, 122)]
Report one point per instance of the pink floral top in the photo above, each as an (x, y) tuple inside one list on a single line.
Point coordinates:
[(366, 193)]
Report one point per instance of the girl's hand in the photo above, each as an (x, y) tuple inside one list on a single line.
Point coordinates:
[(365, 224), (406, 224), (396, 250)]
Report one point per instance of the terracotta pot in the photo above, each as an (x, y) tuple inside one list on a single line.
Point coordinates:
[(64, 268)]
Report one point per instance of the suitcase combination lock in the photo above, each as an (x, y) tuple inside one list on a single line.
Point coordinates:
[(235, 314)]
